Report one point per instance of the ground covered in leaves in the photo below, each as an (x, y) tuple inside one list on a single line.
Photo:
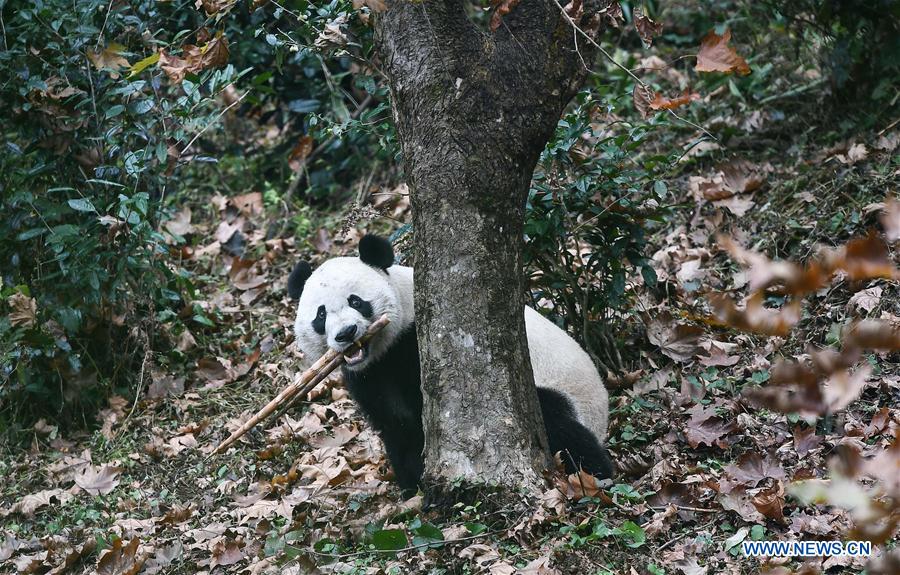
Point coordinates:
[(708, 457)]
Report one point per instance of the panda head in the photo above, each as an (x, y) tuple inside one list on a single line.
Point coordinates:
[(341, 298)]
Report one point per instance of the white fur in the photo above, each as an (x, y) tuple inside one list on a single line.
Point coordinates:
[(336, 280), (557, 360)]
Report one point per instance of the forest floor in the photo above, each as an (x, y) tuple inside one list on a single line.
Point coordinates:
[(701, 468)]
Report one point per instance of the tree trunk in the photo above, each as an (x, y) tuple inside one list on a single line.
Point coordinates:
[(473, 110)]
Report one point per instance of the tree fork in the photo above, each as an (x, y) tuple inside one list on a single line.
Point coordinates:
[(473, 111)]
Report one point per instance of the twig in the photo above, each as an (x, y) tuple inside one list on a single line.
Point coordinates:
[(410, 548), (889, 126), (698, 126), (307, 380), (298, 177), (211, 122), (3, 28), (620, 66), (596, 45)]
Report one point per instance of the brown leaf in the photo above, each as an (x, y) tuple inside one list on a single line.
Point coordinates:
[(660, 102), (805, 440), (750, 469), (23, 310), (214, 6), (718, 355), (770, 502), (642, 96), (705, 427), (110, 59), (873, 334), (501, 9), (31, 503), (737, 500), (855, 153), (755, 317), (890, 219), (98, 480), (180, 225), (178, 514), (342, 435), (194, 59), (249, 204), (681, 342), (540, 566), (227, 552), (865, 300), (646, 28), (717, 56), (741, 176), (119, 560), (8, 545), (297, 157)]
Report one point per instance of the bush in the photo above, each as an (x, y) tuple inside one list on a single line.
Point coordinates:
[(586, 216), (89, 150), (859, 39)]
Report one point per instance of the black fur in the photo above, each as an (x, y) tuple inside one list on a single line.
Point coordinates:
[(360, 305), (389, 393), (318, 324), (297, 279), (376, 251), (578, 447)]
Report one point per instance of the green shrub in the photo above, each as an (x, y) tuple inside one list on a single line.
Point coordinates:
[(859, 39), (586, 218), (88, 153)]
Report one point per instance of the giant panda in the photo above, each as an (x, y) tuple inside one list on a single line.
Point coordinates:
[(339, 300)]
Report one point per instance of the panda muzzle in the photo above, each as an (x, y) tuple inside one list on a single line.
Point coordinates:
[(357, 356)]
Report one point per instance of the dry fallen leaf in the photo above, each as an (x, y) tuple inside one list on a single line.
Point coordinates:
[(98, 480), (297, 157), (717, 56), (31, 503), (642, 96), (890, 219), (706, 427), (646, 28), (180, 225), (501, 9), (110, 59), (23, 310), (660, 102), (121, 560), (194, 59), (679, 341), (866, 300)]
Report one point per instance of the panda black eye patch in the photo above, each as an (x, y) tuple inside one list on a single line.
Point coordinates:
[(360, 305), (318, 324)]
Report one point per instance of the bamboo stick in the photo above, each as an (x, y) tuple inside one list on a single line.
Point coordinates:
[(305, 383)]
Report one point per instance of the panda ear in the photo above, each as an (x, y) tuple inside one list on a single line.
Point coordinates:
[(297, 279), (376, 251)]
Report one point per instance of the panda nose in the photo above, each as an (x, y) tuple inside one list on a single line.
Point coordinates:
[(346, 335)]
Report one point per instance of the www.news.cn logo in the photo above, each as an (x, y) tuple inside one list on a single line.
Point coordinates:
[(806, 548)]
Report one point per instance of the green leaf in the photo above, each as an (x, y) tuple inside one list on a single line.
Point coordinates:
[(142, 65), (632, 532), (389, 539), (28, 234), (475, 528), (426, 534), (114, 111), (81, 205)]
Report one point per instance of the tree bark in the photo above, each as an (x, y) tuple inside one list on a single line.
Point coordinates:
[(473, 111)]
